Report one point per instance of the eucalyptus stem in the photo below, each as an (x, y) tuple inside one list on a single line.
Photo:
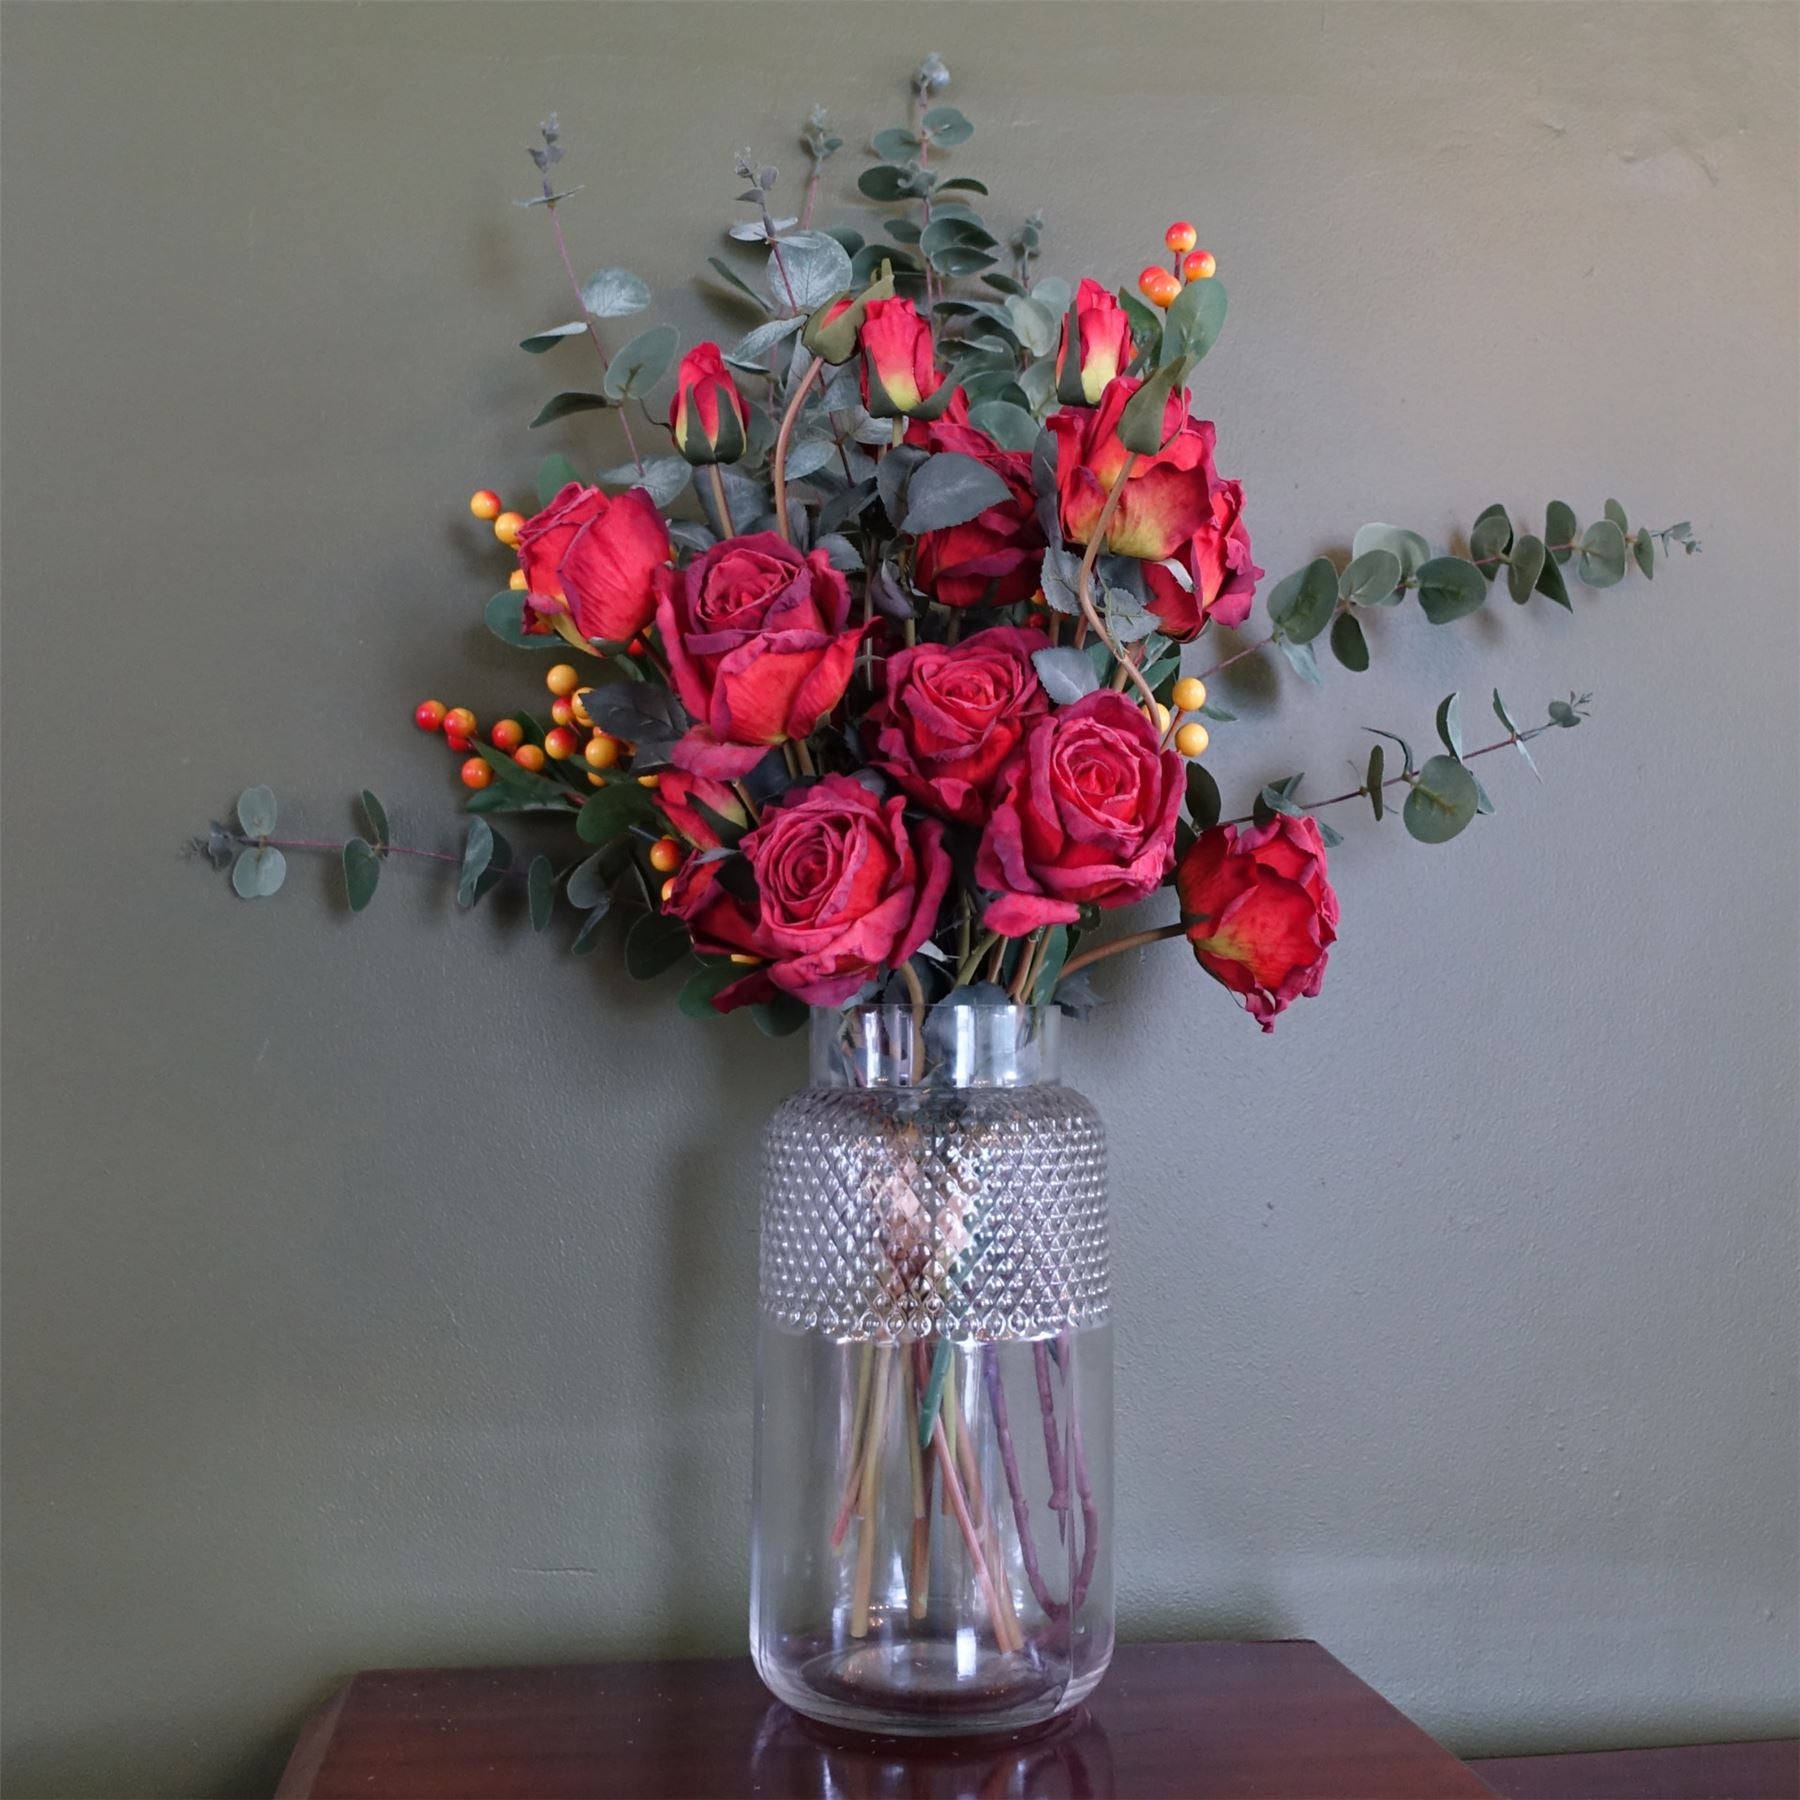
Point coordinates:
[(593, 325)]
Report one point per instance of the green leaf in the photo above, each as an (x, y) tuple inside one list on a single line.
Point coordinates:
[(895, 145), (1301, 606), (1560, 529), (1276, 798), (587, 883), (1056, 953), (753, 348), (1067, 673), (655, 943), (962, 183), (639, 365), (1373, 780), (950, 489), (611, 811), (1371, 578), (1524, 566), (554, 474), (478, 852), (887, 182), (1490, 539), (948, 127), (1408, 546), (1329, 835), (540, 891), (256, 811), (613, 293), (376, 814), (712, 978), (1449, 725), (1204, 804), (1614, 511), (1146, 322), (362, 870), (1550, 581), (780, 1017), (1192, 325), (505, 616), (1034, 324), (1450, 587), (1394, 738), (1010, 426), (515, 789), (1302, 660), (1602, 554), (813, 265), (1141, 424), (1482, 803), (588, 935), (258, 872), (1643, 550), (560, 406), (1348, 644), (736, 282), (541, 341), (1441, 802), (1519, 744)]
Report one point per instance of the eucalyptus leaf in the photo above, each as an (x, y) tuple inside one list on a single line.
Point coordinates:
[(1441, 802), (1009, 425), (1524, 566), (588, 935), (505, 615), (587, 883), (1300, 607), (947, 127), (895, 145), (1614, 511), (478, 852), (806, 270), (258, 872), (1204, 803), (1302, 660), (611, 811), (560, 406), (256, 811), (554, 474), (656, 942), (362, 870), (1643, 550), (752, 349), (1602, 554), (1373, 780), (1142, 425), (1489, 540), (1449, 725), (614, 293), (376, 814), (1348, 644), (540, 341), (1560, 529), (888, 182), (1394, 738), (1450, 587), (950, 489), (707, 982), (540, 891), (1371, 578), (1067, 674), (638, 365), (781, 1016), (1550, 581), (1411, 549), (737, 284), (1192, 325)]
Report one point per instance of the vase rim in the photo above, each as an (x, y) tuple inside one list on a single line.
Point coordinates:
[(973, 1045)]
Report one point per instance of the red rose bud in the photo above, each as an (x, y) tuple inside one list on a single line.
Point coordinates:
[(899, 373), (994, 558), (1100, 330), (682, 797), (1261, 912), (760, 645), (595, 558), (707, 421), (844, 888), (1217, 578), (1083, 812), (951, 715), (1169, 495)]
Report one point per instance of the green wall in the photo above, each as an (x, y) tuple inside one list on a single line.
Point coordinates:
[(380, 1291)]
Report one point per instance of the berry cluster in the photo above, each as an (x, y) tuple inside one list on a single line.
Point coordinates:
[(1160, 286)]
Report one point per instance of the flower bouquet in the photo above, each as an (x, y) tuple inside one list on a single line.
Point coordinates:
[(870, 700)]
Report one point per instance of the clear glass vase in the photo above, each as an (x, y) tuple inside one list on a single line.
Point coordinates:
[(933, 1525)]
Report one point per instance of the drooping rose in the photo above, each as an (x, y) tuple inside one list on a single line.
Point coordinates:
[(845, 888), (676, 793), (1263, 914), (721, 923), (707, 419), (760, 645), (1105, 345), (1219, 567), (899, 373), (1168, 496), (950, 715), (992, 559), (1084, 811), (596, 558)]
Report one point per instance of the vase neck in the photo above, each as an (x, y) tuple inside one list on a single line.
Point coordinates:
[(967, 1046)]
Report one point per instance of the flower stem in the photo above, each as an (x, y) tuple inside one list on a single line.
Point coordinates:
[(1135, 941), (718, 488), (788, 420), (1084, 582)]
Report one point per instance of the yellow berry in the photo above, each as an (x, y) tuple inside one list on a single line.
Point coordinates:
[(1192, 739), (1202, 265), (1162, 717), (577, 707), (1190, 694), (559, 743), (484, 503), (743, 961), (665, 856), (602, 752), (650, 781), (1181, 236), (529, 756), (508, 526), (668, 887), (596, 780), (562, 712), (516, 581), (562, 679), (1159, 286)]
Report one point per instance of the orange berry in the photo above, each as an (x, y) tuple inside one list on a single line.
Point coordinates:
[(1201, 266), (649, 781), (1190, 694), (602, 752), (1159, 287), (508, 526), (1181, 236), (507, 735), (529, 756), (668, 887), (476, 773), (516, 581), (428, 715), (562, 712), (560, 743), (577, 708), (460, 722), (484, 503), (745, 961), (665, 856), (562, 679), (1191, 740), (596, 780)]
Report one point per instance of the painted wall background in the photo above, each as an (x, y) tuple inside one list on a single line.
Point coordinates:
[(380, 1291)]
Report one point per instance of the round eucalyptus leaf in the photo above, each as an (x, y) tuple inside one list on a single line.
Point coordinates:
[(638, 365), (362, 870), (256, 811), (258, 872), (1524, 566), (1489, 540), (1371, 579), (886, 182), (947, 127), (1302, 605), (1643, 550), (1560, 529), (1616, 513), (1450, 587), (1602, 554), (1408, 546), (894, 145), (1348, 644), (613, 293), (1441, 802)]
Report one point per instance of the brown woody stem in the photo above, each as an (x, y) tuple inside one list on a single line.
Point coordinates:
[(788, 420)]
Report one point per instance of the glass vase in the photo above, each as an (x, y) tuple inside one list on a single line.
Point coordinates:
[(932, 1548)]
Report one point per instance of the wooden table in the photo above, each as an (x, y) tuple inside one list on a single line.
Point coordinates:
[(1275, 1721)]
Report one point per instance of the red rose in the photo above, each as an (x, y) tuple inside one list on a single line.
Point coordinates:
[(950, 716), (1169, 495), (1084, 811), (844, 889), (707, 420), (1105, 343), (899, 370), (676, 793), (721, 925), (596, 559), (1263, 913), (1217, 562), (994, 558), (760, 645)]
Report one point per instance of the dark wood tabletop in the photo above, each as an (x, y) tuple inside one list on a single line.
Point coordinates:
[(1271, 1721)]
